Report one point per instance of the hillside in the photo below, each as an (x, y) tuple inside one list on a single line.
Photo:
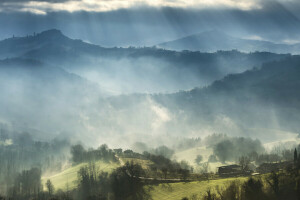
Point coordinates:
[(67, 179), (257, 102), (131, 70), (181, 190), (63, 96), (212, 41)]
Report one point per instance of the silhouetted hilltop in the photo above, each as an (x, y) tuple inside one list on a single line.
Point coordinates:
[(212, 41), (50, 40), (136, 69)]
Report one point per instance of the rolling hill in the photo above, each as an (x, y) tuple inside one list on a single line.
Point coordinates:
[(131, 70), (215, 40), (58, 93), (256, 103), (67, 179)]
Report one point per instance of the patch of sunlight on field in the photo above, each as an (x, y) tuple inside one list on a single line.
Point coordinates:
[(180, 190), (190, 155), (67, 179)]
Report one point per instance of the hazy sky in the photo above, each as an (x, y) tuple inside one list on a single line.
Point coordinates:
[(150, 22), (44, 6)]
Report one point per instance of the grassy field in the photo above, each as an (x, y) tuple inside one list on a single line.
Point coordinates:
[(190, 155), (67, 178), (180, 190)]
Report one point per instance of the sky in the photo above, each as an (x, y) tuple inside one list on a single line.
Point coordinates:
[(150, 22), (44, 6)]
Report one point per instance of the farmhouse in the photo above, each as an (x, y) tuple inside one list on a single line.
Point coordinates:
[(230, 170)]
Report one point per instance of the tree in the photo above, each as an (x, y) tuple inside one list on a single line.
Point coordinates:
[(126, 183), (244, 163), (87, 181), (28, 183), (184, 174), (77, 152), (164, 151), (231, 192), (198, 159), (295, 156), (165, 171), (273, 181), (224, 150), (205, 169), (50, 187), (253, 189)]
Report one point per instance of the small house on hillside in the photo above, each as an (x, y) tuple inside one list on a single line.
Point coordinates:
[(269, 167), (230, 170)]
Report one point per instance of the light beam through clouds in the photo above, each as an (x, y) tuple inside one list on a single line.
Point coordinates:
[(43, 6)]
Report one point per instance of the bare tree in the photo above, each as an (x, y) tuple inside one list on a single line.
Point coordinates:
[(244, 162), (50, 187), (204, 170)]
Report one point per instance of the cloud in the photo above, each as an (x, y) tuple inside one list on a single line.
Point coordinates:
[(44, 6), (273, 22), (53, 1)]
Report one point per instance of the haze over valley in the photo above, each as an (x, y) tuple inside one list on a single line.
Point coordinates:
[(134, 100)]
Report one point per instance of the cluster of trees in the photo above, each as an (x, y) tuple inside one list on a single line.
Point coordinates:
[(27, 184), (167, 167), (19, 151), (125, 182), (162, 150), (79, 154), (162, 165), (232, 148), (258, 159), (275, 186)]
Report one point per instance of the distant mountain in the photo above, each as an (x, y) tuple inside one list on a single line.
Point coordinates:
[(51, 41), (212, 41), (258, 102), (128, 70), (266, 97), (51, 87)]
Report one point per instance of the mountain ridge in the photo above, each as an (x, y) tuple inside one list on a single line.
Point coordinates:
[(131, 70), (214, 40)]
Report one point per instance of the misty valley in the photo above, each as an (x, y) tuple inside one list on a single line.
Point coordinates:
[(104, 100)]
